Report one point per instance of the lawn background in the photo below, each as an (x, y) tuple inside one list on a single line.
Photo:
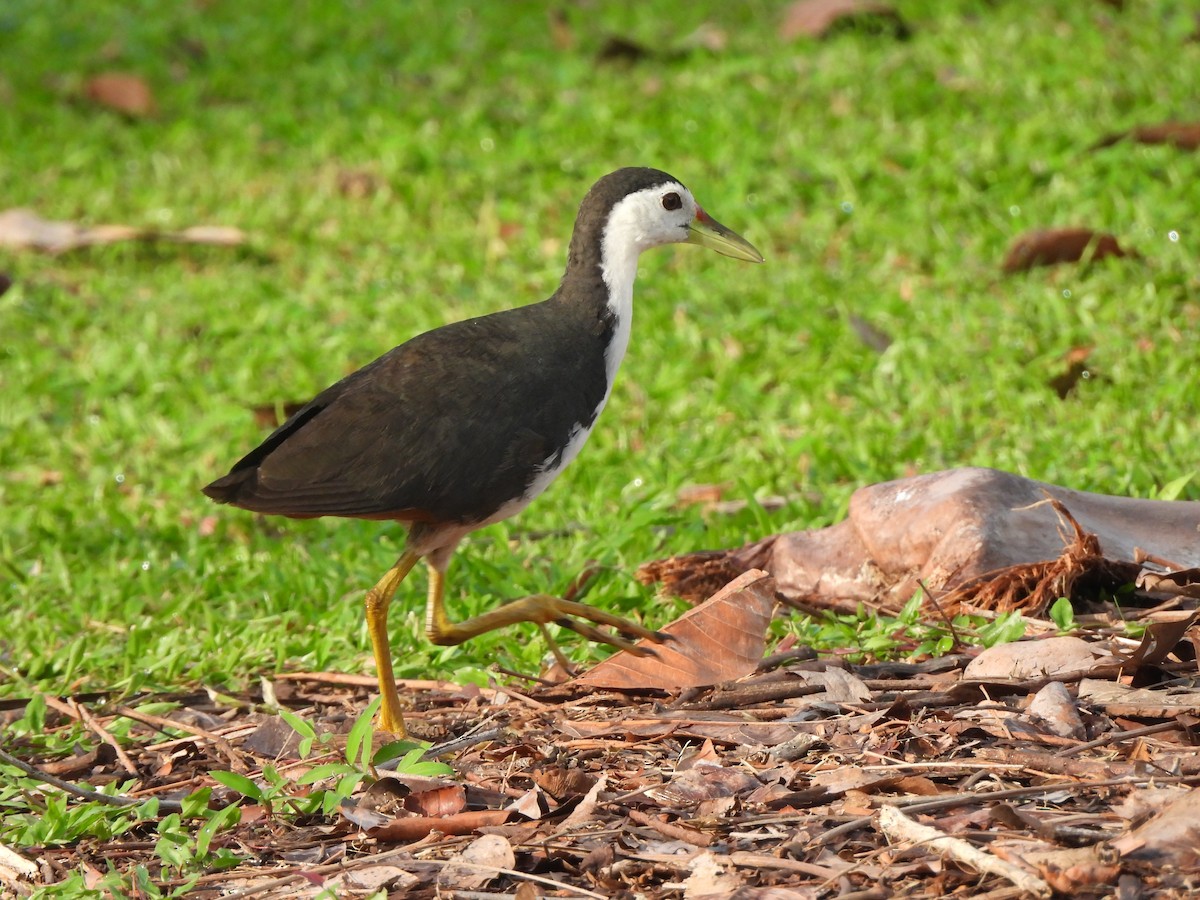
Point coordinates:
[(402, 165)]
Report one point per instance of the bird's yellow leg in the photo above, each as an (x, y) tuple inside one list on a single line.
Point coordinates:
[(378, 600), (540, 609)]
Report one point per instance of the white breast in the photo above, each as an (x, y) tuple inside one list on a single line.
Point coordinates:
[(624, 240)]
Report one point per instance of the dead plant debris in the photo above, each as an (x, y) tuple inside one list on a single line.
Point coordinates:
[(1062, 764)]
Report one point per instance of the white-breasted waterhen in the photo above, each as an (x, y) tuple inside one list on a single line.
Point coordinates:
[(464, 425)]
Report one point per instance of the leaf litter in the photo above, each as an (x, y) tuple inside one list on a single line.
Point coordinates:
[(1061, 763)]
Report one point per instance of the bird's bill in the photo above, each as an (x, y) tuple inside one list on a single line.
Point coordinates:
[(708, 232)]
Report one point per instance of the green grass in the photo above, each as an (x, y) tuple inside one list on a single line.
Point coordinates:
[(882, 179)]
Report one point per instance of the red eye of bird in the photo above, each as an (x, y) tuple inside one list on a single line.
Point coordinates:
[(671, 201)]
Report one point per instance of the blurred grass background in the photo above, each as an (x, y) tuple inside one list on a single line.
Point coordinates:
[(398, 166)]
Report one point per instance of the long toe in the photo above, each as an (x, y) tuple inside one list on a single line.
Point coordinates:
[(600, 637), (600, 617)]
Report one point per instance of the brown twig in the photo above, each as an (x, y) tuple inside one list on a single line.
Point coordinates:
[(90, 721), (234, 756), (83, 793), (670, 830), (1118, 736), (922, 804)]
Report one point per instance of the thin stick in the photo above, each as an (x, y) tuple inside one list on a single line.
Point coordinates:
[(1118, 736), (75, 790), (162, 724), (896, 826), (941, 612), (921, 804), (671, 830), (90, 721), (403, 858)]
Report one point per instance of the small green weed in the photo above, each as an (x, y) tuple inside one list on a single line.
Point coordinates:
[(1062, 614), (865, 635)]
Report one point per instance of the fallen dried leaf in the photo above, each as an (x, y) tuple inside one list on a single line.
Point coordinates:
[(123, 92), (373, 880), (1064, 382), (1184, 582), (1149, 703), (704, 782), (1183, 135), (532, 804), (1051, 246), (25, 229), (1054, 706), (1033, 659), (413, 828), (710, 878), (445, 801), (489, 851), (720, 640), (1162, 636), (1170, 838), (820, 18), (583, 813)]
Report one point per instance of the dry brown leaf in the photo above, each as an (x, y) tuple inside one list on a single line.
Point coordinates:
[(700, 495), (124, 92), (413, 828), (489, 851), (362, 816), (1070, 871), (622, 50), (709, 877), (1162, 636), (871, 335), (1149, 703), (1054, 706), (1172, 837), (840, 685), (1183, 582), (1183, 135), (562, 35), (819, 18), (919, 785), (704, 782), (1064, 382), (850, 778), (532, 804), (1051, 246), (372, 880), (720, 640), (563, 783), (25, 229), (583, 813), (1034, 659), (444, 801)]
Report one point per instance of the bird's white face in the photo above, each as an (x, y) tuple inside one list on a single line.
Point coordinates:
[(651, 217)]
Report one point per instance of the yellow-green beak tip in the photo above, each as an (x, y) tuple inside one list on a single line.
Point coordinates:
[(708, 232)]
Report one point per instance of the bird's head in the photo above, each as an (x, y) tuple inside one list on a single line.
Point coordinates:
[(647, 208)]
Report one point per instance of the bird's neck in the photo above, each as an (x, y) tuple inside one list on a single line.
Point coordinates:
[(618, 270), (601, 268)]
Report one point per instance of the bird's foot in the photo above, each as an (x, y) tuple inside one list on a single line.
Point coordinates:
[(546, 608), (542, 609)]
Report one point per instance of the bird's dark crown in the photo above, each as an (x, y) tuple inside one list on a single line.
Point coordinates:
[(584, 256)]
